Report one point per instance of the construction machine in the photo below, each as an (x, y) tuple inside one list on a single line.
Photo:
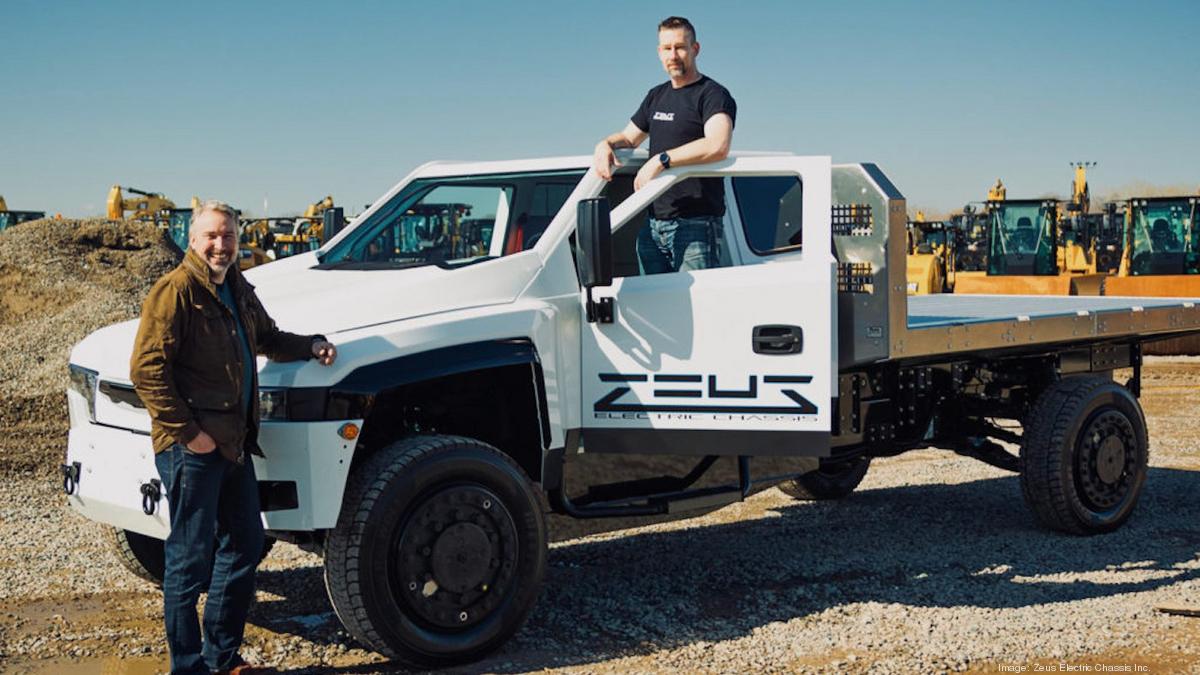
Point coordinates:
[(308, 230), (970, 232), (256, 243), (144, 206), (930, 259), (1039, 246), (275, 237), (10, 218), (1161, 256)]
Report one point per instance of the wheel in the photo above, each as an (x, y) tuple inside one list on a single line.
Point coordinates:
[(141, 555), (144, 555), (832, 480), (439, 551), (1084, 457)]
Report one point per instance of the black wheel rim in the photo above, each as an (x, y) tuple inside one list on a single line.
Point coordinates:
[(1106, 461), (454, 559)]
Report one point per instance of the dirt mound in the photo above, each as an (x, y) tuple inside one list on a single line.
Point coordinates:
[(59, 281)]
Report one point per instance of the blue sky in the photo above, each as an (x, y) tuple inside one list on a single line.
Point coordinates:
[(292, 101)]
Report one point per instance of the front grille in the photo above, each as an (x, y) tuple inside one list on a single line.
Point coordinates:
[(121, 393)]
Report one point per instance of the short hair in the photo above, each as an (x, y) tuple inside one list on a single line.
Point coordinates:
[(673, 22), (213, 205)]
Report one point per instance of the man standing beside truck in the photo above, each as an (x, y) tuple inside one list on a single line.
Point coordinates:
[(689, 120), (193, 367)]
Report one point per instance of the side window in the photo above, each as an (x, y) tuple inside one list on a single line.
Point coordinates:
[(625, 260), (772, 210), (544, 203)]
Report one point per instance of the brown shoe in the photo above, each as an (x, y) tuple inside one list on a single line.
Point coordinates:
[(247, 669)]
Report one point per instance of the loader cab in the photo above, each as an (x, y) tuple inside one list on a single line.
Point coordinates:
[(1023, 237), (10, 218), (1162, 235), (178, 223), (927, 237)]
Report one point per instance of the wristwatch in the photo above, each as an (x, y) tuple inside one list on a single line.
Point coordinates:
[(665, 160)]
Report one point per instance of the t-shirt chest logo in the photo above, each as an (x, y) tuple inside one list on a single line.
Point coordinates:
[(664, 117)]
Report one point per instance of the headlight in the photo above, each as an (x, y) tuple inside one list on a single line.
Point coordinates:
[(272, 404), (309, 404), (83, 382)]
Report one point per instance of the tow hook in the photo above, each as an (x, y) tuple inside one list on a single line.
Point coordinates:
[(70, 474), (151, 493)]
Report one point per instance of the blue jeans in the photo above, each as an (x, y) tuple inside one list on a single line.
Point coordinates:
[(679, 245), (212, 500)]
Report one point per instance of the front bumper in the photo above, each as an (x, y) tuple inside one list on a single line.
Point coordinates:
[(114, 464)]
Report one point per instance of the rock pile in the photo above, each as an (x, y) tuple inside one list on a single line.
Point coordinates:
[(59, 281)]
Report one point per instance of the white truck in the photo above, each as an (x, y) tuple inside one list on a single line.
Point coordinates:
[(494, 331)]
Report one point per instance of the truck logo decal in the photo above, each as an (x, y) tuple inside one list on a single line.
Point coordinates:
[(609, 402)]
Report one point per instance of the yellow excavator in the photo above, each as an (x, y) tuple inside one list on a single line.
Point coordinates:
[(10, 218), (144, 206), (1078, 227), (930, 260), (1039, 246)]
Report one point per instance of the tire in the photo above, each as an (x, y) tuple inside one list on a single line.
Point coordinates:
[(143, 555), (832, 480), (1084, 457), (439, 551), (138, 553)]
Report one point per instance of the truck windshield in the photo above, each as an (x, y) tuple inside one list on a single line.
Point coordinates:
[(455, 221), (1022, 238), (1164, 237)]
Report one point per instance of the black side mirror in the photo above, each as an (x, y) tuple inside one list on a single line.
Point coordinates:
[(595, 242), (334, 220), (594, 236)]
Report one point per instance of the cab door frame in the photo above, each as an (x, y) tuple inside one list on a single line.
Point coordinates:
[(680, 371)]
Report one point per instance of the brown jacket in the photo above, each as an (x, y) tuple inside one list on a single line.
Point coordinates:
[(187, 364)]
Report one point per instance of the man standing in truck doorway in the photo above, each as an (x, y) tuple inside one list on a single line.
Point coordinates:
[(689, 120), (193, 366)]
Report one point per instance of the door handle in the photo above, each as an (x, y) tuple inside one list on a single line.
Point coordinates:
[(778, 339)]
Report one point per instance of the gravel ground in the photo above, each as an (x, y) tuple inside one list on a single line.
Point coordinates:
[(933, 565)]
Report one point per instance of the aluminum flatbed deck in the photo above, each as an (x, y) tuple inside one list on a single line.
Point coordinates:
[(931, 311), (938, 325)]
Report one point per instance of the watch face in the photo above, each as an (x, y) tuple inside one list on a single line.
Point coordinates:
[(665, 159)]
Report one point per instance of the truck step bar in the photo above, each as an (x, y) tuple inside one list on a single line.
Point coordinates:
[(625, 501)]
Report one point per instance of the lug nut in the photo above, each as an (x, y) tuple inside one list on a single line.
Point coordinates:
[(412, 585), (462, 616), (487, 503)]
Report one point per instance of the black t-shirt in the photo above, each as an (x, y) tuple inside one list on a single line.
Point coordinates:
[(674, 117)]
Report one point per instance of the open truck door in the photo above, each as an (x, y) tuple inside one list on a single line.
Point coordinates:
[(736, 360)]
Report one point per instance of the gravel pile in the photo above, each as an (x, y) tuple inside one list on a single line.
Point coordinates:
[(59, 281)]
